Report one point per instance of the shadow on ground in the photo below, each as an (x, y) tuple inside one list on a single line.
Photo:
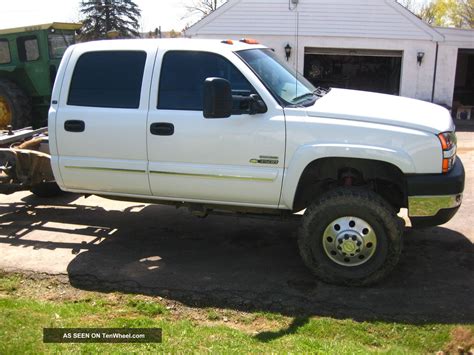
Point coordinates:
[(241, 263)]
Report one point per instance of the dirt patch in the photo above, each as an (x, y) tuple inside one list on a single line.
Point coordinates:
[(251, 323), (462, 341), (54, 288)]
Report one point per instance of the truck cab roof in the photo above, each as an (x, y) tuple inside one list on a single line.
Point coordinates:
[(213, 45)]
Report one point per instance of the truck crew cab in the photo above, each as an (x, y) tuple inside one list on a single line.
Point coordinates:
[(226, 126)]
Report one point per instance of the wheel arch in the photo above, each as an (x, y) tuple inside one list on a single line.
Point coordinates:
[(318, 163)]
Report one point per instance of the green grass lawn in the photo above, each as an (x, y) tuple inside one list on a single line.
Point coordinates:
[(28, 305)]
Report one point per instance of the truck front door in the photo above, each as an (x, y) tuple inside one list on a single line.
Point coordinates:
[(238, 160)]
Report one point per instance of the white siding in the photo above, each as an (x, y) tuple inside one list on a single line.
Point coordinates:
[(348, 18), (416, 81), (460, 38), (446, 74), (347, 24)]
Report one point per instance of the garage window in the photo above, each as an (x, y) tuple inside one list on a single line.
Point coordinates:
[(5, 56), (108, 79), (376, 71)]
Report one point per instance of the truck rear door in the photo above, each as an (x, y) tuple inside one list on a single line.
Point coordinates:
[(101, 120)]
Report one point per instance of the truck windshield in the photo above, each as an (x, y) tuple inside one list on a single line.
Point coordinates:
[(58, 43), (279, 78)]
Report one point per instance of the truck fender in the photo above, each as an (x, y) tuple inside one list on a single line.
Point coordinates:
[(309, 153)]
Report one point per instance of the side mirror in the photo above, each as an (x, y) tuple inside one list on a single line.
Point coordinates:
[(248, 104), (257, 105), (217, 98)]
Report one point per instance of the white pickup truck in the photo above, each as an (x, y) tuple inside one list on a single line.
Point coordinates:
[(227, 126)]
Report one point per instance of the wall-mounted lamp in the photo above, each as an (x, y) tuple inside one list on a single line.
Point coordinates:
[(419, 57), (288, 49)]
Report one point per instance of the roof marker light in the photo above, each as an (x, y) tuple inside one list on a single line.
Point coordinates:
[(228, 41), (249, 41)]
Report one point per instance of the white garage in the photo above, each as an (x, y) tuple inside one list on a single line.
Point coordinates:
[(374, 45)]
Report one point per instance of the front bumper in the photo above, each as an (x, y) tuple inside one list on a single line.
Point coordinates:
[(434, 199)]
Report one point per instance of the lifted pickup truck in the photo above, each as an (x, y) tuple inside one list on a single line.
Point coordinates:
[(227, 126)]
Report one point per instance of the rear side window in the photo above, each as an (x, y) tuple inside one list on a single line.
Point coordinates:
[(28, 48), (5, 56), (108, 79), (183, 74)]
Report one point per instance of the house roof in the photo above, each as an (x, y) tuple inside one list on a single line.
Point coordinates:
[(339, 18), (463, 38)]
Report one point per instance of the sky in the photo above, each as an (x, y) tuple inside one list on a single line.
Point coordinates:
[(165, 13)]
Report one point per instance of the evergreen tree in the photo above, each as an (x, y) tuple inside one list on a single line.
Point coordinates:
[(103, 16)]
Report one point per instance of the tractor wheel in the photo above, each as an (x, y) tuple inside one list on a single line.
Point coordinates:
[(15, 106)]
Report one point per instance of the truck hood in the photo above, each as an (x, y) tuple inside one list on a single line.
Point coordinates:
[(384, 109)]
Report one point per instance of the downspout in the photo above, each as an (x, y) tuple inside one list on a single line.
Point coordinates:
[(293, 6), (435, 72)]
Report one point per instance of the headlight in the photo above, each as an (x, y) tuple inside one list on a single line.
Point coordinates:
[(449, 145)]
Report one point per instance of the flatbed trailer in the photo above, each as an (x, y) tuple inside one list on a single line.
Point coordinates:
[(25, 162)]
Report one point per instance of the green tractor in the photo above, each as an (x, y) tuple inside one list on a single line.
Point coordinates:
[(29, 60)]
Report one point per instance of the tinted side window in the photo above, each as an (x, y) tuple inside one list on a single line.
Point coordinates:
[(183, 74), (5, 56), (108, 79), (28, 48)]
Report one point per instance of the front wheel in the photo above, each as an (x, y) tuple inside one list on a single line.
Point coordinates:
[(350, 236)]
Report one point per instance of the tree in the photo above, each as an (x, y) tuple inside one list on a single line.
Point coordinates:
[(203, 8), (466, 13), (174, 34), (435, 13), (411, 5), (104, 16), (452, 13)]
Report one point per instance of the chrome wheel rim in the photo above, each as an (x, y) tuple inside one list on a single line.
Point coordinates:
[(349, 241)]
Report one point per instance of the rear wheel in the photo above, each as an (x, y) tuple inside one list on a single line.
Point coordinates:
[(350, 237), (15, 106)]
